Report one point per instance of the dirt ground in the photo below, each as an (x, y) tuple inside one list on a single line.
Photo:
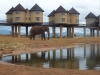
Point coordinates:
[(12, 46)]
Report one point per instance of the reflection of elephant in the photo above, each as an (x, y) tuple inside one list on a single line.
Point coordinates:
[(35, 30)]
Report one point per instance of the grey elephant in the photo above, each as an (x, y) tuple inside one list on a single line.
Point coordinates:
[(35, 30)]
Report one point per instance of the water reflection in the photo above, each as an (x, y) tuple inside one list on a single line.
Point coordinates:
[(82, 58)]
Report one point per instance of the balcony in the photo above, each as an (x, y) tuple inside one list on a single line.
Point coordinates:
[(9, 20)]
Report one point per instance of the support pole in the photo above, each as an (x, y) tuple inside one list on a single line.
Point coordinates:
[(18, 30), (15, 31), (53, 32), (68, 32), (90, 32), (97, 32), (60, 31), (72, 32), (12, 33), (26, 31), (93, 33), (84, 32)]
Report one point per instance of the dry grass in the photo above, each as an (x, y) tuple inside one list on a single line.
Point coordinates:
[(14, 45), (9, 42)]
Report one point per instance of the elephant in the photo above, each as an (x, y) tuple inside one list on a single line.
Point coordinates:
[(35, 30)]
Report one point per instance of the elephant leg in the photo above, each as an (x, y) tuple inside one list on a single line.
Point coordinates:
[(41, 37), (33, 37), (44, 36), (30, 37)]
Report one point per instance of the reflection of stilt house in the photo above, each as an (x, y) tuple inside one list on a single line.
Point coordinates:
[(33, 60), (65, 63), (93, 60), (68, 63)]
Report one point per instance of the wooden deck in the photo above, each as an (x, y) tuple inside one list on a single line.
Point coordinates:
[(69, 28), (47, 24)]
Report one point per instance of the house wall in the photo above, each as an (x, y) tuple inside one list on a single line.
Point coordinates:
[(21, 15), (99, 20), (74, 19), (33, 16), (27, 16), (58, 17), (9, 18), (90, 21), (68, 20), (51, 18)]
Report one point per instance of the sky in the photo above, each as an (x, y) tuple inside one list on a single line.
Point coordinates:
[(84, 7)]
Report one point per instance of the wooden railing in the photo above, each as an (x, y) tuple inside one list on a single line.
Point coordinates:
[(3, 21), (48, 23), (9, 20), (6, 21)]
